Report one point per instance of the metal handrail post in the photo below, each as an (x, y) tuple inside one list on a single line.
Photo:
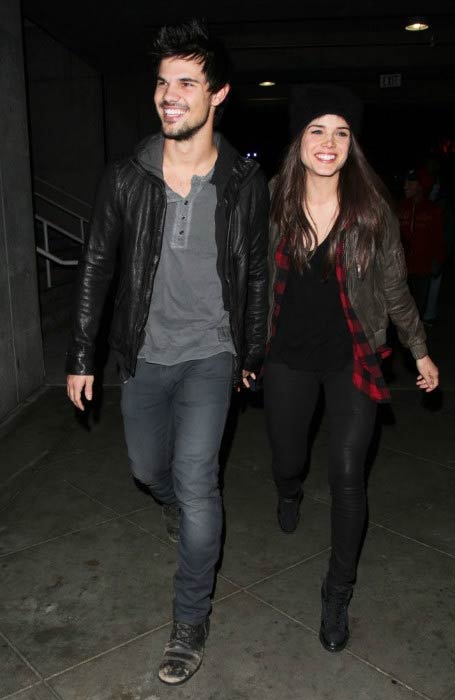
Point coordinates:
[(46, 224), (46, 248)]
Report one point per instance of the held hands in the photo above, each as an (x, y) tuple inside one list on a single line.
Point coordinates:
[(76, 384), (428, 377), (247, 376)]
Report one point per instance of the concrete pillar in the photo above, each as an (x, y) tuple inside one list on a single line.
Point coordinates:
[(21, 351)]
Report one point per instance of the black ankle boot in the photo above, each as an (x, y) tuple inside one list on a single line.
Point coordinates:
[(288, 512), (334, 632)]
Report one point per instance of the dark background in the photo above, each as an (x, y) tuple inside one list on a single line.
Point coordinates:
[(349, 43)]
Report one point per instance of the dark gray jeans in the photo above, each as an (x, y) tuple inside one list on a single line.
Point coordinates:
[(174, 419)]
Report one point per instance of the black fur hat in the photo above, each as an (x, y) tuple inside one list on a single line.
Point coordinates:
[(315, 100)]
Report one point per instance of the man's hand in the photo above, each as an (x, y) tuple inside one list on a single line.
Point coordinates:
[(428, 378), (76, 384)]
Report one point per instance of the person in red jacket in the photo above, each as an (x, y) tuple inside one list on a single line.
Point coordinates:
[(422, 236)]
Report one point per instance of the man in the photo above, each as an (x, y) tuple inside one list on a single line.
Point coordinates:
[(422, 235), (189, 217)]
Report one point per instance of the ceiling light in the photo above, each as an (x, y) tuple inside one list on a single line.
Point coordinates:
[(267, 83), (416, 24)]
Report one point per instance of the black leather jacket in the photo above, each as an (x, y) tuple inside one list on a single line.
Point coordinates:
[(128, 221)]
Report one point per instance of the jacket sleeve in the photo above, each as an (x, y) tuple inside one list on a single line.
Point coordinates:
[(96, 269), (401, 307), (257, 303)]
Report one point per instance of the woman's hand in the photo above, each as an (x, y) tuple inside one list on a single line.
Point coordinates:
[(247, 376), (428, 378)]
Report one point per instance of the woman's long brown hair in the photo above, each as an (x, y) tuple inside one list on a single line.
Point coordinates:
[(364, 204)]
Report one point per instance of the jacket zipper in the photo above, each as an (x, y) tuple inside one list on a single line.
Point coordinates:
[(153, 263)]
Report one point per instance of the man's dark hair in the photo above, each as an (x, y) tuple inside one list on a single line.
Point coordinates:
[(193, 40)]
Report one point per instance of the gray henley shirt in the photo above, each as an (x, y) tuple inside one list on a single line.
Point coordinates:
[(187, 319)]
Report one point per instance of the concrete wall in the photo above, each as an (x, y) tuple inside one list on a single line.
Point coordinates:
[(21, 358), (130, 112), (66, 115), (79, 120)]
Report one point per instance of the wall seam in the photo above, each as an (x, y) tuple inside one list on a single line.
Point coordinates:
[(10, 300)]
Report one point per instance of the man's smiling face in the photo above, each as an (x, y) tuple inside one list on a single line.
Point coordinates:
[(183, 99)]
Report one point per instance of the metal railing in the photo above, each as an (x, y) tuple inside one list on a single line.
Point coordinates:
[(81, 219), (48, 225), (60, 191), (50, 257)]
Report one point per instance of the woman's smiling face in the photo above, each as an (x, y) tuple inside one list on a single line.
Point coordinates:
[(324, 147)]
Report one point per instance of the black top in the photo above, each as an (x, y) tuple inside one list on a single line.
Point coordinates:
[(312, 333)]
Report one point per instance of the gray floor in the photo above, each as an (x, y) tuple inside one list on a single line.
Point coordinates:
[(86, 570)]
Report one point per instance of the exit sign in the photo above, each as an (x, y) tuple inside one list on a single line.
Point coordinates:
[(390, 80)]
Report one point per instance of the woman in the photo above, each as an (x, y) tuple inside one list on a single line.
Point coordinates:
[(338, 274)]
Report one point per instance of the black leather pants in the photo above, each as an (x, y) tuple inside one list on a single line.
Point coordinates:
[(290, 399)]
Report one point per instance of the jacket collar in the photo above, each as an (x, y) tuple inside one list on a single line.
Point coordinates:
[(230, 166)]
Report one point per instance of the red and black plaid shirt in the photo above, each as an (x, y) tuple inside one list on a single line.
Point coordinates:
[(366, 373)]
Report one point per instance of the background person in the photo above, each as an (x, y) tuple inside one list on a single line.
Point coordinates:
[(422, 236), (338, 274)]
